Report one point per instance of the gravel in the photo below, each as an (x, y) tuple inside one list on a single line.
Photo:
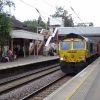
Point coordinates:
[(25, 90)]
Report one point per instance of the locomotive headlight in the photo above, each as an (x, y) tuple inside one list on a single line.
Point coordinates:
[(61, 58)]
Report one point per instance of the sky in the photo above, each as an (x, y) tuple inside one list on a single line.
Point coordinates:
[(86, 10)]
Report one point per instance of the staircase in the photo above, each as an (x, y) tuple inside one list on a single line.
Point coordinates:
[(50, 37), (38, 46)]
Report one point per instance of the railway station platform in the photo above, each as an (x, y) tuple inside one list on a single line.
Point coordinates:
[(84, 86), (25, 61)]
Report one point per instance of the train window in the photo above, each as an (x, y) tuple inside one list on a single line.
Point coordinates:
[(65, 45), (91, 47), (78, 45)]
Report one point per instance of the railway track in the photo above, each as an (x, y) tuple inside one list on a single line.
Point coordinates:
[(21, 87), (15, 77), (14, 81), (40, 95), (32, 87)]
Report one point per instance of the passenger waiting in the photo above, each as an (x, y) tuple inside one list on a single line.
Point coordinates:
[(10, 55), (16, 52), (5, 57), (0, 56)]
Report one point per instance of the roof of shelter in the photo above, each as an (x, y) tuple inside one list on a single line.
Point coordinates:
[(18, 24), (26, 35)]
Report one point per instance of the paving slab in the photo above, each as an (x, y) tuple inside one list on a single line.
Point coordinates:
[(26, 61)]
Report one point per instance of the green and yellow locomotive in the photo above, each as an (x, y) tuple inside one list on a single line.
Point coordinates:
[(75, 51)]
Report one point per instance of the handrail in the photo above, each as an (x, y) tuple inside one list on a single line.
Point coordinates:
[(50, 37)]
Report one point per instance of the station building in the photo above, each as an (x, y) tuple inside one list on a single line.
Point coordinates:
[(27, 42)]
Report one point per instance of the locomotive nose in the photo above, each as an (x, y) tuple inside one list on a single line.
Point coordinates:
[(72, 56)]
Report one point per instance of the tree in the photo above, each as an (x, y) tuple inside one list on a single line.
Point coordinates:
[(61, 12), (68, 21), (4, 3), (5, 28), (39, 19), (41, 23), (5, 22), (33, 25)]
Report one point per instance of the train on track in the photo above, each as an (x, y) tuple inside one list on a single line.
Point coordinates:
[(75, 52)]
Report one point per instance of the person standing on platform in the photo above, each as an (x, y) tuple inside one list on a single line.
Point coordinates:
[(5, 57), (10, 55), (16, 52)]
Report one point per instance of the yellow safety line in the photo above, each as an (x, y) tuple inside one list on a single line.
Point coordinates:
[(79, 85)]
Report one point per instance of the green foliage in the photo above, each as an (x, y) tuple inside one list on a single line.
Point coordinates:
[(5, 28), (61, 12), (32, 25), (68, 22), (5, 22), (4, 3)]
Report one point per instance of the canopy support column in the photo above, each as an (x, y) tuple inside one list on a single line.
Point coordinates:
[(24, 49)]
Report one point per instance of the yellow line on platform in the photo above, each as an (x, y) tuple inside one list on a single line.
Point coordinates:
[(80, 84)]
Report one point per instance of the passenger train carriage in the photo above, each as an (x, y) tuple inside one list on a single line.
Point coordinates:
[(75, 51)]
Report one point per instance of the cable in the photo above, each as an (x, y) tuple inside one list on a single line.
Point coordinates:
[(75, 13), (34, 8), (49, 4), (77, 16), (37, 10), (27, 4)]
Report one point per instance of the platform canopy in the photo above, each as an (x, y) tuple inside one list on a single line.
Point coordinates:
[(90, 32), (26, 35), (87, 31)]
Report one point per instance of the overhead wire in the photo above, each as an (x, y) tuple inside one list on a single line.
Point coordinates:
[(47, 13), (37, 9), (33, 7), (51, 7), (77, 17), (49, 4), (74, 13)]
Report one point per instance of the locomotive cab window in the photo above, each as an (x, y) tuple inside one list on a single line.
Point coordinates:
[(65, 45), (78, 44)]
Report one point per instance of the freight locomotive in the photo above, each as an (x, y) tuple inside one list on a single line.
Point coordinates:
[(75, 51)]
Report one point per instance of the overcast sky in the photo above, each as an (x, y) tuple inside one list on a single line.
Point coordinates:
[(87, 10)]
